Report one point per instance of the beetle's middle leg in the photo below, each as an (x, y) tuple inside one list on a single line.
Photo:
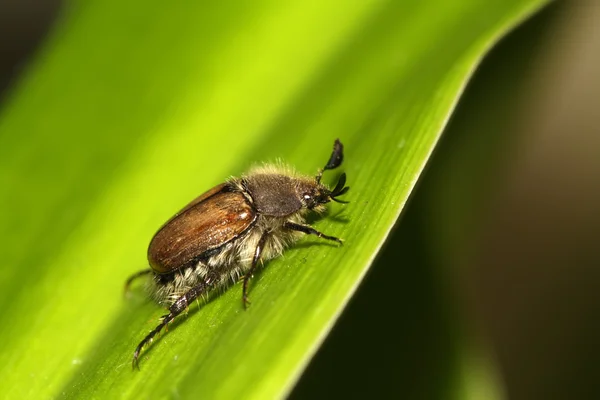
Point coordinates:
[(176, 308), (259, 249)]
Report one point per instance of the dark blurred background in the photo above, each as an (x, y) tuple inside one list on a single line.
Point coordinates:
[(502, 290), (23, 25), (502, 293)]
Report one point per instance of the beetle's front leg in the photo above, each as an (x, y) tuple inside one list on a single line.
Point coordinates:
[(309, 230), (259, 249), (175, 309)]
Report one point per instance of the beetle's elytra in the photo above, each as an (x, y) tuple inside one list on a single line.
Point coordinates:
[(222, 235)]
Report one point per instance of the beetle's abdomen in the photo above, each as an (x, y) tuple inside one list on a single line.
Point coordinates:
[(199, 228)]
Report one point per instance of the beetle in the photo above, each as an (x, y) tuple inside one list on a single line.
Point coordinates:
[(220, 237)]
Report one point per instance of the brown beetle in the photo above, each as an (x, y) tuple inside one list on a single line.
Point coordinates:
[(221, 235)]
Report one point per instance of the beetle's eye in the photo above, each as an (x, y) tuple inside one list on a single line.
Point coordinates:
[(307, 197)]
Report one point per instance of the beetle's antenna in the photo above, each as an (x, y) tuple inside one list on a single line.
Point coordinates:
[(340, 185), (337, 156), (339, 189)]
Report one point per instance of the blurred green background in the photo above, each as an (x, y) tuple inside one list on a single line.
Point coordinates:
[(489, 285)]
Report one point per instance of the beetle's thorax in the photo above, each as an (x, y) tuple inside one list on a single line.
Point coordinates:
[(274, 194)]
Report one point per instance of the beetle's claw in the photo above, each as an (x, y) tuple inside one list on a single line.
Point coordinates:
[(246, 302), (134, 363)]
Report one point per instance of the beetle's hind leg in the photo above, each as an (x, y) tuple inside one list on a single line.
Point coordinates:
[(133, 277), (176, 308)]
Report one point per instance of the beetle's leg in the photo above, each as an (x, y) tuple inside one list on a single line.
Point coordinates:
[(259, 248), (175, 309), (309, 230), (134, 277)]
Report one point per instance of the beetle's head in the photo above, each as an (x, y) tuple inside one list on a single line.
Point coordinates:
[(317, 194)]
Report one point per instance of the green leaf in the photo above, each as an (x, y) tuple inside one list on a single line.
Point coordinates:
[(132, 109)]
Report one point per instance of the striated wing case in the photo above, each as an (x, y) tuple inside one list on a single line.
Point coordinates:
[(208, 222)]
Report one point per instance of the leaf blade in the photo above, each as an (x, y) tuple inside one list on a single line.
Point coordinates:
[(391, 119)]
